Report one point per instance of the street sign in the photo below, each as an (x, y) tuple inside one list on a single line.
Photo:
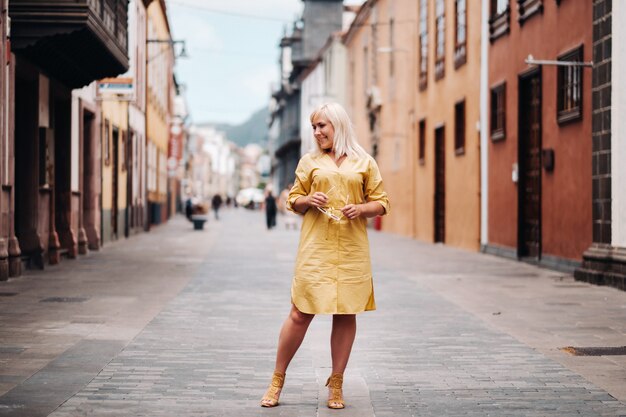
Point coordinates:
[(122, 86)]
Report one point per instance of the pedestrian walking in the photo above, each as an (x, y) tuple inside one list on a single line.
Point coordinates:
[(337, 187), (270, 209), (188, 208), (216, 203)]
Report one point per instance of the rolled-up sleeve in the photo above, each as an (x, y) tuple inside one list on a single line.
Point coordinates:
[(374, 190), (301, 185)]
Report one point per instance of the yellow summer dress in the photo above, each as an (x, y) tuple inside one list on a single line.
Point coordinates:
[(333, 272)]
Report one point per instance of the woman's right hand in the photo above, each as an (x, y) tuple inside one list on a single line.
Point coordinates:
[(317, 199)]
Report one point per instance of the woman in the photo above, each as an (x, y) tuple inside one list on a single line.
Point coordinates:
[(337, 187)]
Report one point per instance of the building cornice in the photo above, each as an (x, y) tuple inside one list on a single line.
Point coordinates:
[(359, 20)]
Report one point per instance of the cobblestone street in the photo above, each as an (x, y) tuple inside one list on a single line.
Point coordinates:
[(177, 322)]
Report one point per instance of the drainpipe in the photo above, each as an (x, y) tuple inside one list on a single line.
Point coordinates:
[(484, 121)]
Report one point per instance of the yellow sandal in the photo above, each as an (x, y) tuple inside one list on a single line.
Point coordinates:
[(334, 383), (270, 399)]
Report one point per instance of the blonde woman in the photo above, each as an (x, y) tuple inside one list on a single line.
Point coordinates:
[(337, 187)]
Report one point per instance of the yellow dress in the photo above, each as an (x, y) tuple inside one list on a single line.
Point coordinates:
[(333, 272)]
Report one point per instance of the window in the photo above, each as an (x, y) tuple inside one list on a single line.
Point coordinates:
[(528, 8), (498, 112), (440, 40), (422, 142), (499, 6), (423, 44), (499, 21), (569, 87), (459, 128), (460, 48)]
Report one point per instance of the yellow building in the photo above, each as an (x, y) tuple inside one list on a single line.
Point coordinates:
[(448, 111), (160, 58), (414, 98), (114, 170), (381, 99)]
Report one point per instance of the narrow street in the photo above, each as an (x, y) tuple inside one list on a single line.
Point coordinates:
[(178, 322)]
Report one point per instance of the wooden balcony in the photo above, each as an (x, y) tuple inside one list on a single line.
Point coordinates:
[(527, 8), (499, 24), (75, 41)]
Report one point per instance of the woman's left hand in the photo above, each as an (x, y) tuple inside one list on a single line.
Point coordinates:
[(352, 211)]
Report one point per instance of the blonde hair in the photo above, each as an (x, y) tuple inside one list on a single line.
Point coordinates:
[(344, 141)]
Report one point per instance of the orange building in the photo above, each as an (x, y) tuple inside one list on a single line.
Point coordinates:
[(447, 190), (540, 148), (414, 96), (381, 96)]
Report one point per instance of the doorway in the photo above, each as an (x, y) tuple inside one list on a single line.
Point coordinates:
[(440, 185), (529, 158), (114, 181)]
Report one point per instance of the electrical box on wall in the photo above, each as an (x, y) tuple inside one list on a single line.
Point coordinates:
[(547, 157)]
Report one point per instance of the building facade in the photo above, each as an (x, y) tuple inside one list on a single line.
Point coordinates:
[(604, 262), (136, 185), (86, 130), (323, 81), (49, 172), (10, 263), (179, 133), (540, 125), (363, 96), (381, 50), (159, 102), (320, 18), (445, 125), (115, 161)]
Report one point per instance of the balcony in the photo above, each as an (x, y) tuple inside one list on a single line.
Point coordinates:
[(75, 41), (527, 8), (499, 24)]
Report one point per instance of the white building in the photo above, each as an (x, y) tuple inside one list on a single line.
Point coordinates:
[(224, 160), (324, 81)]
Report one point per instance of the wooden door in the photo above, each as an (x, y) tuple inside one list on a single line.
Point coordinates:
[(114, 181), (529, 187), (440, 185)]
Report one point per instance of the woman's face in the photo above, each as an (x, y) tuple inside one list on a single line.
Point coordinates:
[(324, 132)]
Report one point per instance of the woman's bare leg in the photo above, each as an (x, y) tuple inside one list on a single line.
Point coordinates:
[(291, 336), (341, 339)]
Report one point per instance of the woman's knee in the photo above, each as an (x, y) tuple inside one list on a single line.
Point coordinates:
[(344, 318), (299, 318)]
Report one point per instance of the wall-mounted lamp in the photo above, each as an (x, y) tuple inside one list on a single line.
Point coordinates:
[(532, 61), (172, 43)]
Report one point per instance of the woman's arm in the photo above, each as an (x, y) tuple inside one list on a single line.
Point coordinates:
[(317, 199), (369, 209)]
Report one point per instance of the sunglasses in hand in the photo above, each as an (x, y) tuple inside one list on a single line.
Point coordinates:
[(332, 212)]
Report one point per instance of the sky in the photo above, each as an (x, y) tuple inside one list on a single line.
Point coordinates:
[(233, 53)]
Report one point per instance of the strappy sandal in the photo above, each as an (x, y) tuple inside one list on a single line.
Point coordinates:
[(334, 384), (270, 399)]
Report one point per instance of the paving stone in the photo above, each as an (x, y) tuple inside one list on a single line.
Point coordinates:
[(209, 350)]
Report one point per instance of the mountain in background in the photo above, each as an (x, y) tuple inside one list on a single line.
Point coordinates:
[(253, 130)]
